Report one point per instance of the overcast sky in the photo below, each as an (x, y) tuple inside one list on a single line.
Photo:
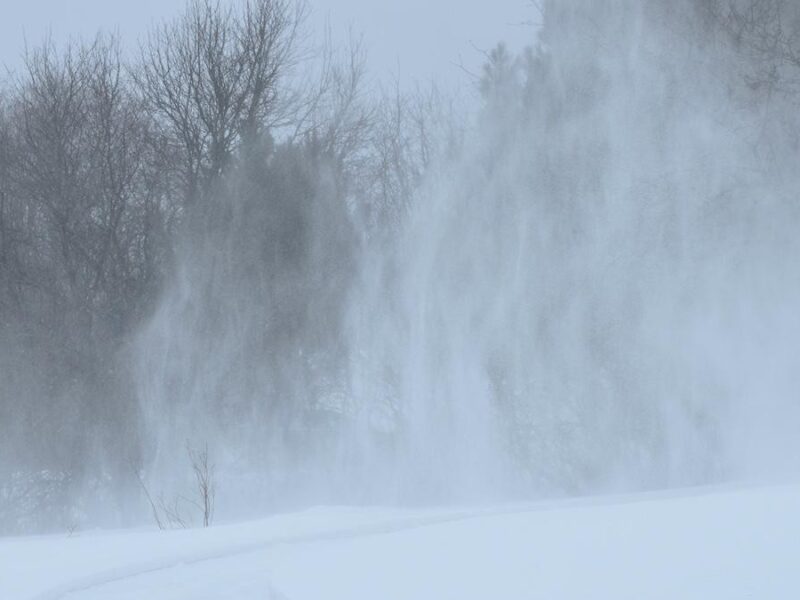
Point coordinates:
[(417, 39)]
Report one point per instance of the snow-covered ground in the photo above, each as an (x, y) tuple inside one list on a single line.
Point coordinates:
[(721, 543)]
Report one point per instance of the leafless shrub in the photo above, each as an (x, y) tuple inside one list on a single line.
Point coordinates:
[(175, 512), (205, 486)]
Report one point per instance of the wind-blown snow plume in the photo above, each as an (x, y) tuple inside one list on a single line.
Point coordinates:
[(599, 289), (596, 293)]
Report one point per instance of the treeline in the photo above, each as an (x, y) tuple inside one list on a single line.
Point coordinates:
[(210, 237), (223, 127)]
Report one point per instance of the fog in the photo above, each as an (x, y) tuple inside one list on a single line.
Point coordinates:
[(579, 281)]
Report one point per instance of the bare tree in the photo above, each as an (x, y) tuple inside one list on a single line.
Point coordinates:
[(10, 234), (410, 131), (768, 33), (213, 78), (333, 115), (81, 209), (88, 170)]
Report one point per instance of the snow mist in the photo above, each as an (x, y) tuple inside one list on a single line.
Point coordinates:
[(596, 292)]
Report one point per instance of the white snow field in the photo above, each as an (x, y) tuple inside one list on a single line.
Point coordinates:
[(710, 543)]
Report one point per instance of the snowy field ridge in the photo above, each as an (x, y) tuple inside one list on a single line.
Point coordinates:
[(705, 543)]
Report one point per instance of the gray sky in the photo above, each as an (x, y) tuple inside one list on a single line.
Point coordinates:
[(413, 38)]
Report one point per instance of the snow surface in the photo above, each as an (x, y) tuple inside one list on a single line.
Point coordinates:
[(722, 543)]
